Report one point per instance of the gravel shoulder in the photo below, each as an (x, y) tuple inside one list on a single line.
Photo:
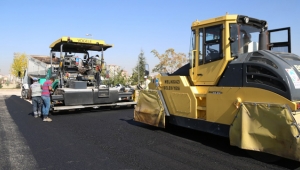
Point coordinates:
[(10, 92)]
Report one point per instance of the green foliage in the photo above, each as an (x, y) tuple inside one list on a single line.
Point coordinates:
[(138, 72), (19, 65), (117, 78), (169, 61), (1, 83), (7, 82)]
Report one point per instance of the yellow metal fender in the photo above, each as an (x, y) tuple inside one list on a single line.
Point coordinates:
[(149, 108), (269, 128)]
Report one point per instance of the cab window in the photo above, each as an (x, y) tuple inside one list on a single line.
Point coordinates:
[(200, 46), (213, 43), (192, 49), (243, 39)]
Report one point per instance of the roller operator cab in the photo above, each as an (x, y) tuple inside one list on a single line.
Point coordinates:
[(241, 83)]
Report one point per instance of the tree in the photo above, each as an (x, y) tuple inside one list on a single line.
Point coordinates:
[(120, 78), (138, 72), (170, 61), (7, 82), (1, 83), (19, 65)]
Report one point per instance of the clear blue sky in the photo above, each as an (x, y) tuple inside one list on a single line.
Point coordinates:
[(130, 25)]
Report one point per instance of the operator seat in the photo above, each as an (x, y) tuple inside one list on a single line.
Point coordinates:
[(246, 40), (70, 64)]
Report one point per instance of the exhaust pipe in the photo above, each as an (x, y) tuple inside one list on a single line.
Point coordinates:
[(263, 40)]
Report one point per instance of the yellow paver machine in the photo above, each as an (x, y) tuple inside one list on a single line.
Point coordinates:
[(241, 83), (79, 82)]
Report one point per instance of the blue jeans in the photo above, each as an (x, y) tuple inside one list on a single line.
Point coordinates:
[(46, 105), (37, 105)]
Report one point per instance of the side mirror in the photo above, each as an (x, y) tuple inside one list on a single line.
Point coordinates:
[(146, 70), (19, 73), (146, 73), (85, 56)]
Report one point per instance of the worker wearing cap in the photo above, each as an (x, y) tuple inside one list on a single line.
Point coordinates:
[(147, 81), (35, 93), (47, 88)]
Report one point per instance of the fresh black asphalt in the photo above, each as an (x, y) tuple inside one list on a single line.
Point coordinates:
[(110, 139)]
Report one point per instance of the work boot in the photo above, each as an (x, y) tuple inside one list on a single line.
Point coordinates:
[(47, 119), (35, 114)]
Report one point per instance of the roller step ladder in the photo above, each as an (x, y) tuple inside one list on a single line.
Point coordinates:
[(201, 105)]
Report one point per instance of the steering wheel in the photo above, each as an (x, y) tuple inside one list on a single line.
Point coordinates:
[(209, 50), (211, 53)]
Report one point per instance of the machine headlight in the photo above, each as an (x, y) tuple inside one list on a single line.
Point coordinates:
[(246, 20)]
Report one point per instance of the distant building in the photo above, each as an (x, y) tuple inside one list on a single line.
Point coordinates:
[(46, 60), (112, 70), (39, 64)]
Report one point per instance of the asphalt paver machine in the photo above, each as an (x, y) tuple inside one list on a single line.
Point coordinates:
[(78, 80)]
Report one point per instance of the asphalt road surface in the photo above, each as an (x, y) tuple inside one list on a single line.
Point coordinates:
[(110, 139)]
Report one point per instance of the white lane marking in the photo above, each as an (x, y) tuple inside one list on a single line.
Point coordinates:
[(13, 145)]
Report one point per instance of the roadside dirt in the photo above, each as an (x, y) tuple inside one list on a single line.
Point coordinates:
[(9, 92)]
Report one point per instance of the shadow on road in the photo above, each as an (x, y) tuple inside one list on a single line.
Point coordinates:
[(210, 140), (142, 125)]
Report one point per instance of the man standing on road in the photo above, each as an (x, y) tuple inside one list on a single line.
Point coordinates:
[(35, 94), (147, 81), (47, 87)]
